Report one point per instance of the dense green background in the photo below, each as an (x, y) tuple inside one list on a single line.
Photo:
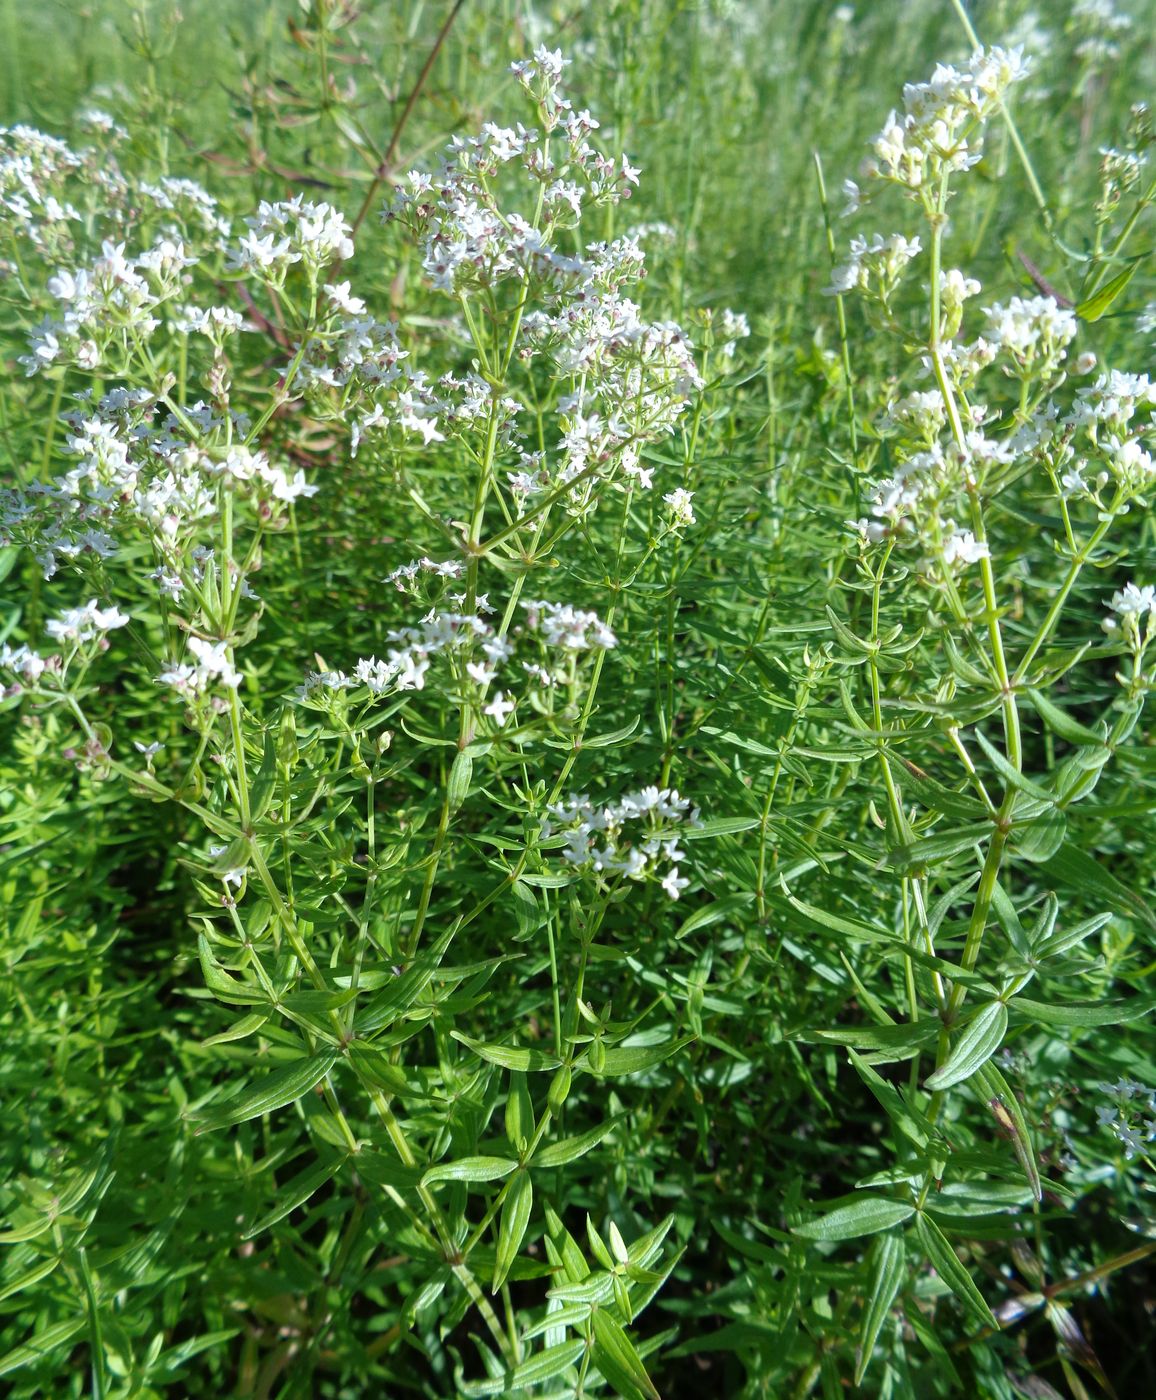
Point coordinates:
[(102, 1006)]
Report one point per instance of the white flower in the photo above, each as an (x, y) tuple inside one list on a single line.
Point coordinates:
[(681, 510), (499, 709), (572, 629), (23, 661), (341, 300), (1133, 601), (963, 548), (230, 877), (672, 883), (213, 660), (83, 624)]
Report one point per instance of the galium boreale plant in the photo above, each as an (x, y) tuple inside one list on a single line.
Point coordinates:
[(344, 836), (973, 678)]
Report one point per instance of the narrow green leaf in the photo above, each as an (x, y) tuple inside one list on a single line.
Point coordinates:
[(222, 984), (909, 1121), (1040, 839), (239, 1029), (1054, 945), (558, 1154), (1099, 302), (461, 776), (946, 1263), (853, 643), (1010, 774), (740, 741), (900, 1041), (890, 1260), (293, 1194), (512, 1228), (606, 741), (235, 856), (633, 1059), (381, 1170), (615, 1356), (405, 990), (276, 1090), (471, 1169), (1061, 723), (866, 1216), (42, 1344), (937, 798), (1074, 867), (715, 912), (717, 826), (510, 1056), (30, 1230), (547, 1364), (916, 855), (1083, 1015), (981, 1038), (26, 1280), (840, 923), (990, 1083), (263, 783)]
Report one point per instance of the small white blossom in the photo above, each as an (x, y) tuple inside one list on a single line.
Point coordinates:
[(679, 502)]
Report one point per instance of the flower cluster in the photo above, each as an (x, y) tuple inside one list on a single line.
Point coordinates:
[(939, 130), (618, 381), (85, 623), (133, 472), (1098, 450), (1034, 332), (1130, 1113), (1099, 27), (572, 629), (71, 629), (292, 231), (875, 266), (1129, 607), (211, 666), (558, 632), (111, 302), (635, 837)]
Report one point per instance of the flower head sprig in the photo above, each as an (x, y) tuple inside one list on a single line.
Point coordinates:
[(293, 231), (1130, 1113), (940, 128), (635, 837)]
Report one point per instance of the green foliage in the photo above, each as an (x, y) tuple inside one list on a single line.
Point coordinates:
[(377, 1016)]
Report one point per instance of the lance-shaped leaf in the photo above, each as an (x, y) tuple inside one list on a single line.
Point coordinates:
[(1008, 1114), (515, 1218), (946, 1263), (866, 1216), (1093, 307), (633, 1059), (509, 1056), (616, 1357), (547, 1364), (981, 1038), (890, 1260), (276, 1090), (295, 1194), (1082, 1015), (471, 1169), (1061, 722), (403, 992), (1073, 866), (558, 1154)]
